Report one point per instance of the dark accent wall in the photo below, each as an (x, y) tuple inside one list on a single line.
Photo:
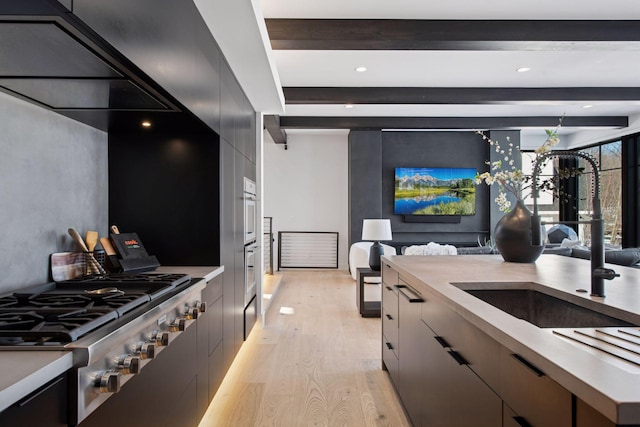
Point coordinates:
[(365, 183), (373, 157)]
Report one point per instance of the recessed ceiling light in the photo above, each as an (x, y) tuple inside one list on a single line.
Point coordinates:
[(523, 69), (348, 106), (587, 106), (361, 69), (146, 124)]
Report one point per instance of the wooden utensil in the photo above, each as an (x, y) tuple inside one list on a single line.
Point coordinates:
[(112, 256), (94, 266), (78, 239), (107, 246), (91, 237)]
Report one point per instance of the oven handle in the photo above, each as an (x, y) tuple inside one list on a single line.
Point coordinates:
[(252, 247), (249, 196)]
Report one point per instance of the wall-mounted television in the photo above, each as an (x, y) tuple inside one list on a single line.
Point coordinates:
[(435, 191)]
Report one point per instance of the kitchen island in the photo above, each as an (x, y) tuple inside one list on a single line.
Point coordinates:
[(425, 298)]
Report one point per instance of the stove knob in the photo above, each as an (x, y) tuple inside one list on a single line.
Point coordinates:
[(160, 339), (108, 382), (146, 350), (177, 325), (129, 364), (192, 313), (202, 306)]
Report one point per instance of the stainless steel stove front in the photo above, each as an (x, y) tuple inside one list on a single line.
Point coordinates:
[(105, 364)]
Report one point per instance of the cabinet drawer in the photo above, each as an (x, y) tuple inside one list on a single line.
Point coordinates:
[(480, 350), (389, 275), (214, 316), (533, 396), (390, 330), (390, 300), (213, 291), (586, 416), (390, 360)]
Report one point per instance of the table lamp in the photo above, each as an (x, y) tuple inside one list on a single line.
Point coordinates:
[(376, 230)]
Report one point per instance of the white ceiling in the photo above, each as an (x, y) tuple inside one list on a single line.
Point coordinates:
[(568, 68)]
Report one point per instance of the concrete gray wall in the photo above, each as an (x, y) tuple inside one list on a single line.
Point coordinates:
[(53, 175)]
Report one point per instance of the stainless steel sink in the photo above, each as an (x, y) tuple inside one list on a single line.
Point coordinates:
[(528, 302)]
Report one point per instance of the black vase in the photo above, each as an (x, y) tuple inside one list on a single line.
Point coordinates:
[(375, 252), (512, 236)]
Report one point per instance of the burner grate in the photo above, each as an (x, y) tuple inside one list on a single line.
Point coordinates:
[(68, 310), (52, 323)]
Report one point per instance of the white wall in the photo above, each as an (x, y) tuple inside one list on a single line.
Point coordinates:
[(306, 186)]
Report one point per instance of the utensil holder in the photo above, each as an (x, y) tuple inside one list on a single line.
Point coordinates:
[(89, 267)]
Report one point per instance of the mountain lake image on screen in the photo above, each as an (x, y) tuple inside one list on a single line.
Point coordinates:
[(435, 191)]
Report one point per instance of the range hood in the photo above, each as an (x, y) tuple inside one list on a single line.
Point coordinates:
[(49, 62), (47, 65)]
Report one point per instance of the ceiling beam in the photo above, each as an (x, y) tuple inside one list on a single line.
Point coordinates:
[(401, 34), (454, 95), (300, 122), (272, 125)]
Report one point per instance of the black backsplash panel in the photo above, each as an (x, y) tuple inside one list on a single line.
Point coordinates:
[(166, 188)]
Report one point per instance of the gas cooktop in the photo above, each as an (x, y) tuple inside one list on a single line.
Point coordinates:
[(63, 312)]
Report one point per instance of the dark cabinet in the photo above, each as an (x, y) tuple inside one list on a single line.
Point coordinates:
[(45, 407), (248, 126), (234, 167), (227, 241), (586, 416), (229, 106), (238, 248), (390, 325), (210, 367), (455, 395), (536, 399), (237, 117), (411, 357)]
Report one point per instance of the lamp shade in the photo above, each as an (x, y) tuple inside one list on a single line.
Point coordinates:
[(376, 229)]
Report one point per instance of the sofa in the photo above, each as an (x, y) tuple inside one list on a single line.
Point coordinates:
[(359, 258), (629, 257)]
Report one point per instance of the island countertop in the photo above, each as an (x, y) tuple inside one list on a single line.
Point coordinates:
[(609, 385)]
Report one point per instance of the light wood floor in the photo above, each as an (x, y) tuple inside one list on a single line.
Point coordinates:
[(319, 366)]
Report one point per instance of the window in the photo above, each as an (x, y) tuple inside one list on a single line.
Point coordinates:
[(547, 204), (609, 158)]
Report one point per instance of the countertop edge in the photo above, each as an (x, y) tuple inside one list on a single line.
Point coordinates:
[(61, 362), (207, 273)]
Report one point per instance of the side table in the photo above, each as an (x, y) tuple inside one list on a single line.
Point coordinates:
[(366, 308)]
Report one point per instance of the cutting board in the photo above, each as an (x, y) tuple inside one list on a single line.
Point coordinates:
[(67, 265)]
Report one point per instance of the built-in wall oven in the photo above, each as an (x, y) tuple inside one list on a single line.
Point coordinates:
[(251, 249), (250, 278), (249, 211)]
